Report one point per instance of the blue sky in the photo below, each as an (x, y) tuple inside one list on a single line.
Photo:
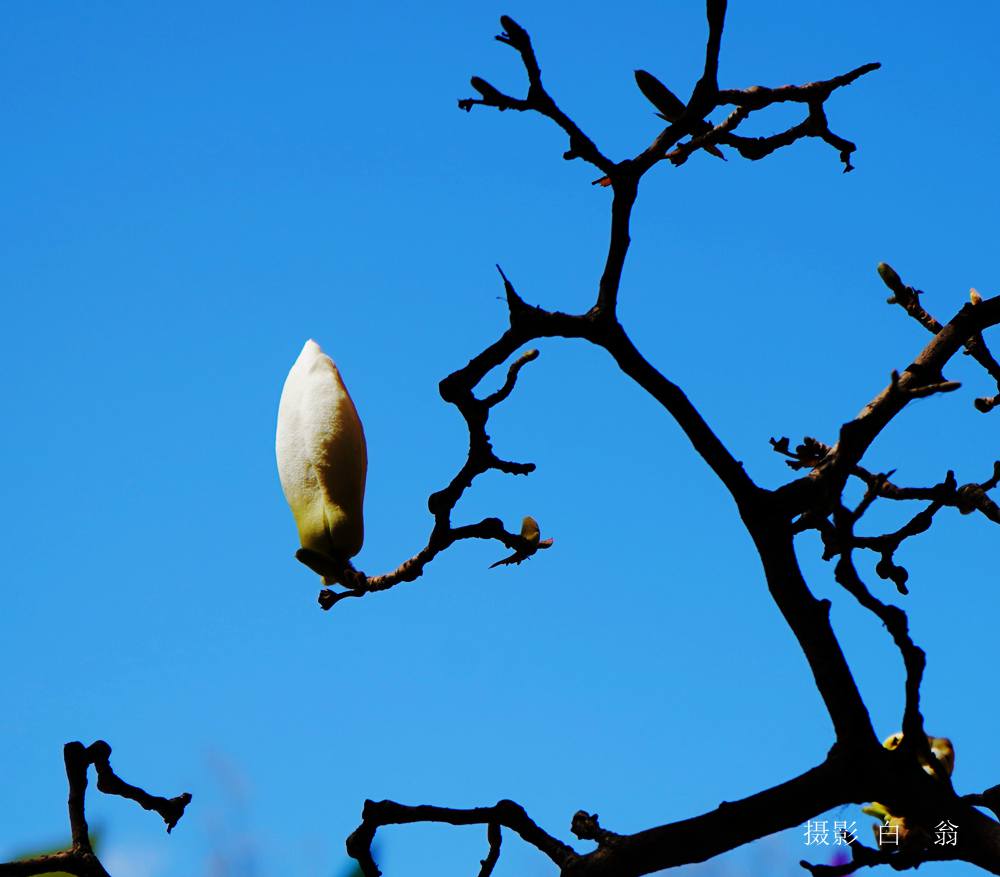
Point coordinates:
[(192, 190)]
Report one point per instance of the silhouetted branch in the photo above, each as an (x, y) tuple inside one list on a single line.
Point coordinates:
[(990, 798), (169, 809), (858, 768), (827, 478), (746, 102), (80, 858), (839, 539), (526, 324), (538, 99), (715, 12), (914, 659), (908, 298), (495, 838), (861, 857), (759, 96), (508, 386), (507, 814), (749, 100), (617, 855)]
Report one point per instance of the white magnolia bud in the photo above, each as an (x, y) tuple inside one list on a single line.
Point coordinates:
[(322, 457)]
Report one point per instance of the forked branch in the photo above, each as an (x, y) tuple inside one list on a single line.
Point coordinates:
[(858, 767), (79, 858)]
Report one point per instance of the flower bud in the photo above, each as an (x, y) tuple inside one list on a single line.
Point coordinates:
[(322, 456)]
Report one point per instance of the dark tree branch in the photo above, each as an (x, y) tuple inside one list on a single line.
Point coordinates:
[(708, 85), (730, 825), (538, 99), (839, 539), (746, 102), (819, 489), (757, 97), (80, 858), (691, 840), (496, 398), (858, 767), (908, 298), (885, 489), (599, 326), (846, 776), (914, 659), (587, 826), (526, 324), (495, 838), (990, 798), (626, 191), (729, 470), (809, 620), (808, 617), (507, 814), (169, 809), (77, 760)]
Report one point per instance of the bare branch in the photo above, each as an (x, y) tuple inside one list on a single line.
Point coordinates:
[(758, 97), (169, 809), (587, 826), (914, 659), (709, 83), (857, 435), (80, 859), (526, 324), (507, 814), (626, 191), (746, 102), (731, 824), (495, 838), (516, 366), (538, 99), (990, 798), (729, 470), (77, 760), (908, 298), (858, 767), (358, 584), (78, 862)]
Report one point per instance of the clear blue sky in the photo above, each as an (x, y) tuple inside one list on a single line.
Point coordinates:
[(192, 190)]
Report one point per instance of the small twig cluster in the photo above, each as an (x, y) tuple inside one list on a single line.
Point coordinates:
[(600, 325)]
